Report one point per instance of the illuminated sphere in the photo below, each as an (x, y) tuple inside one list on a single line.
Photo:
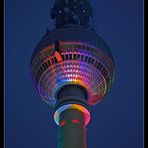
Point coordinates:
[(83, 58)]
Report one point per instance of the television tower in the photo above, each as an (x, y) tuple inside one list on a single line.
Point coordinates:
[(72, 69)]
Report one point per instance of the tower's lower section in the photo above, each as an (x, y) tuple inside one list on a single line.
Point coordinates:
[(72, 131), (72, 115)]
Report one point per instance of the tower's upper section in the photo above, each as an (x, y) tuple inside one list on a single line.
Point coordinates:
[(72, 55), (72, 12)]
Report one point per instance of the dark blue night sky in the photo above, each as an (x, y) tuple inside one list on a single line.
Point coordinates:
[(117, 122)]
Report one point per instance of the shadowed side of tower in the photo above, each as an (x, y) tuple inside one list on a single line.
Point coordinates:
[(72, 68)]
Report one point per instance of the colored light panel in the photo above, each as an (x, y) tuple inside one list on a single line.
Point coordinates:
[(72, 106), (89, 67)]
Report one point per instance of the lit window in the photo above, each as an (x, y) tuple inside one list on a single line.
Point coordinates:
[(70, 56), (82, 56), (66, 56), (75, 56), (78, 57), (86, 58), (48, 62)]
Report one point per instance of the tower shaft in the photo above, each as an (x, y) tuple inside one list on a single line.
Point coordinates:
[(72, 115), (72, 131)]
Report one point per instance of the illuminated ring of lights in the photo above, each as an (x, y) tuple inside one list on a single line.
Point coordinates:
[(72, 106), (44, 80)]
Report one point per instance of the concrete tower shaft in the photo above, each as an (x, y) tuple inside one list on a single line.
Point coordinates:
[(72, 115), (72, 130)]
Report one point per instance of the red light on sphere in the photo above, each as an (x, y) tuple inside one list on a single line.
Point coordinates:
[(58, 56)]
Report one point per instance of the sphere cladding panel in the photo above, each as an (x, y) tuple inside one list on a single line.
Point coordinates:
[(74, 34), (78, 63)]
